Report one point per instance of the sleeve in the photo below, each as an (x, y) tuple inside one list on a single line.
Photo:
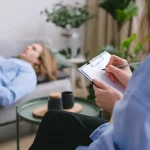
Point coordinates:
[(23, 84), (2, 59), (104, 142), (100, 130), (131, 116), (130, 129)]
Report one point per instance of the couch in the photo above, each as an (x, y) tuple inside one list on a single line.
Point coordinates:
[(13, 48)]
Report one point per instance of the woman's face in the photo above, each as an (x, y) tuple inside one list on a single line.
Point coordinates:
[(32, 53)]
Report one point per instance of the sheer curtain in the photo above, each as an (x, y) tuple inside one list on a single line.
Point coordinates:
[(102, 30)]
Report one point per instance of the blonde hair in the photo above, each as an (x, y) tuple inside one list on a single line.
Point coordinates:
[(48, 65)]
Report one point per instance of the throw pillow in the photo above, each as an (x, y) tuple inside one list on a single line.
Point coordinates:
[(60, 75), (61, 61)]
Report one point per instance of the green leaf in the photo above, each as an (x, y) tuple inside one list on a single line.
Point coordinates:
[(68, 15), (138, 48), (112, 5), (78, 52), (120, 10), (132, 55), (69, 52), (63, 52), (127, 42), (122, 16), (86, 54)]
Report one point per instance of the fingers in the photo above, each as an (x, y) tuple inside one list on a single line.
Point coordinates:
[(119, 74), (96, 101), (99, 84), (112, 77), (115, 60)]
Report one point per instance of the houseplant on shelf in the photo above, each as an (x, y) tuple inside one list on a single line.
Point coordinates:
[(70, 18)]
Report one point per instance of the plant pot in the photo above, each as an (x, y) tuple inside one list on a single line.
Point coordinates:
[(72, 40)]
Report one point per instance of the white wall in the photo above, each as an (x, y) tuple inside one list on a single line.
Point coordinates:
[(21, 19)]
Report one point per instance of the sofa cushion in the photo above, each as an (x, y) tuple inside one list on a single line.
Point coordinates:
[(60, 75), (61, 61)]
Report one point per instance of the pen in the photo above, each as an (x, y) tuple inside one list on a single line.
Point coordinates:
[(126, 65)]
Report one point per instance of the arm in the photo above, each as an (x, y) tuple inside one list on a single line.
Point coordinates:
[(130, 129), (2, 59), (106, 96), (23, 84), (131, 116)]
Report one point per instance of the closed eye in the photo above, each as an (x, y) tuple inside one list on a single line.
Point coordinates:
[(34, 48)]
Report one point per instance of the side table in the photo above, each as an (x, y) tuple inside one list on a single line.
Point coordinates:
[(75, 62), (24, 112)]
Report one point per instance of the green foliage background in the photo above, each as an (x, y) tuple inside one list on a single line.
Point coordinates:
[(68, 16), (120, 10)]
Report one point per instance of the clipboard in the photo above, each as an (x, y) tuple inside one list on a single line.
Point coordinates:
[(93, 70)]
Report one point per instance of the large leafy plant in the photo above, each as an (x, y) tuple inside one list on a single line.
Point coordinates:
[(131, 48), (68, 16), (121, 11)]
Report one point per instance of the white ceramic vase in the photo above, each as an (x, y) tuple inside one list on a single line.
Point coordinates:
[(72, 40)]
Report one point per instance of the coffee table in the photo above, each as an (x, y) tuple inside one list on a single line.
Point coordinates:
[(24, 111)]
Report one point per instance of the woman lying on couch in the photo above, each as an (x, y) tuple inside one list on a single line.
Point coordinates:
[(18, 76)]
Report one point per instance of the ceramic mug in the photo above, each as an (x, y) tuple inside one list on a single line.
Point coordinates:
[(55, 101), (67, 99)]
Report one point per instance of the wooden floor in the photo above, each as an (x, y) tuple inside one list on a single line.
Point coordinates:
[(24, 143), (27, 139)]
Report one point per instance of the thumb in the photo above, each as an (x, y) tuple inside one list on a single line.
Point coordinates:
[(116, 71), (99, 84)]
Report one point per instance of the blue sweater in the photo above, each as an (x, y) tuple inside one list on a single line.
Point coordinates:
[(17, 79), (130, 129)]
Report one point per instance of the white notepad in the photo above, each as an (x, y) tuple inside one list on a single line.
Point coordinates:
[(93, 70)]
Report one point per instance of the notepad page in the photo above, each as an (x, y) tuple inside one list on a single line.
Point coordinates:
[(98, 74)]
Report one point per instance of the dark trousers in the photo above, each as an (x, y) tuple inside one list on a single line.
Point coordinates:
[(61, 130)]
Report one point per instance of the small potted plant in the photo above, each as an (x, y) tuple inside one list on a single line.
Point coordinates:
[(70, 18)]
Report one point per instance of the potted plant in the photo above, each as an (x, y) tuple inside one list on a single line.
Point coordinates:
[(121, 11), (70, 18)]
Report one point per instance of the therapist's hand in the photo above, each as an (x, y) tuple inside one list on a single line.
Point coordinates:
[(106, 96), (122, 75)]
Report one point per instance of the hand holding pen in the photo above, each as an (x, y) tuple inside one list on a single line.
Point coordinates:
[(127, 65), (118, 74)]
